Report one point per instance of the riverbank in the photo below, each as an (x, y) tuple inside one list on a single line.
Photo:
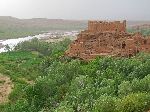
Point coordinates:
[(48, 37)]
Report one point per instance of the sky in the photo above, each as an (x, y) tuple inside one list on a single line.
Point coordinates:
[(77, 9)]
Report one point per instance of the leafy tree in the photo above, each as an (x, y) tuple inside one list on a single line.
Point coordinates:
[(105, 104), (137, 102)]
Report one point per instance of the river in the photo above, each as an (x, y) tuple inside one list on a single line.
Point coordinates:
[(53, 35)]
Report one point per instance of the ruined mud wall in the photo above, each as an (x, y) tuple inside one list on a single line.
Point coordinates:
[(100, 26), (107, 38)]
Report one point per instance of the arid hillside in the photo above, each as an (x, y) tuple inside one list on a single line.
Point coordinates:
[(135, 23), (11, 27)]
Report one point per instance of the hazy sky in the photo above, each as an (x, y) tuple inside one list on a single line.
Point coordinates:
[(77, 9)]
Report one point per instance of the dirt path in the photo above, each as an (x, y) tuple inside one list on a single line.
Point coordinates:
[(5, 88)]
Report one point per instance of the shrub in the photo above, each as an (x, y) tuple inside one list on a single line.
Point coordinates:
[(135, 86), (105, 104), (137, 102)]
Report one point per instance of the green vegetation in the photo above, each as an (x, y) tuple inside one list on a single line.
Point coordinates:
[(19, 64), (145, 32), (8, 32), (62, 84)]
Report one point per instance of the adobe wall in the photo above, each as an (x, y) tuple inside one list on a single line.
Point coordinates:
[(102, 26), (107, 38)]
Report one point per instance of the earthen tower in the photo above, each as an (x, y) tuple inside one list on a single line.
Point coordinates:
[(107, 38)]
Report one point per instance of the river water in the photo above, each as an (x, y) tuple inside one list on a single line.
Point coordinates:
[(13, 42)]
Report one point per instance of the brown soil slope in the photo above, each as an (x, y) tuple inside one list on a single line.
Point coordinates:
[(5, 88)]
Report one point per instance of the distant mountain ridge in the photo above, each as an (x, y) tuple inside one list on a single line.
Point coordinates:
[(49, 22), (42, 22), (11, 27), (137, 23)]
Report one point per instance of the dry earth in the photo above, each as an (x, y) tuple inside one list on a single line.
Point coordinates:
[(5, 88)]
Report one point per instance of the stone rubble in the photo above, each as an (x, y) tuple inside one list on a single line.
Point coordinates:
[(107, 39)]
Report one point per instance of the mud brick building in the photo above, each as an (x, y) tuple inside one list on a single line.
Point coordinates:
[(107, 38)]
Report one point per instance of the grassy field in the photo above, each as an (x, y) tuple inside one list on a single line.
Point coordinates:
[(20, 64), (22, 69)]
